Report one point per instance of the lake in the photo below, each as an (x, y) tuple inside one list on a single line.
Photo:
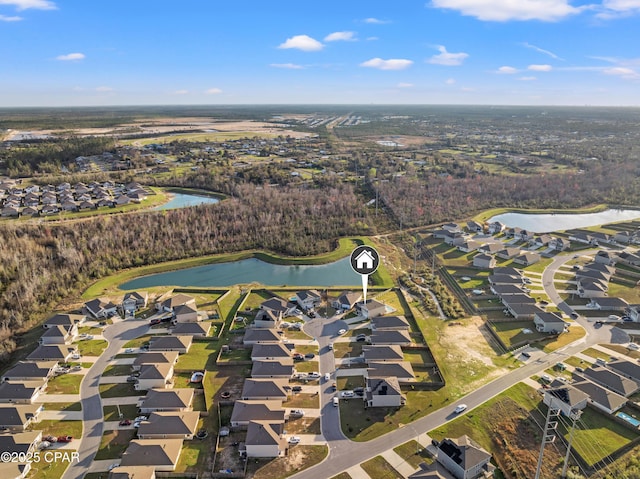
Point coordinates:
[(180, 200), (338, 273), (546, 223)]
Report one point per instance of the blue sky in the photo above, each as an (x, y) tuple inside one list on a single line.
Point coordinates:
[(137, 52)]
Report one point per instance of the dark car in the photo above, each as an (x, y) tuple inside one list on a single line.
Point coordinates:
[(296, 389), (309, 356), (132, 379), (125, 422), (526, 355), (65, 438), (154, 322), (359, 391)]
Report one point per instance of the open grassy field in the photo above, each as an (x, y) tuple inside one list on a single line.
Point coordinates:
[(413, 453), (379, 468), (65, 384), (114, 443), (118, 390), (201, 355), (92, 347)]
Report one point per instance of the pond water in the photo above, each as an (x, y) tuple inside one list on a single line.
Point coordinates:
[(180, 200), (545, 223), (251, 270)]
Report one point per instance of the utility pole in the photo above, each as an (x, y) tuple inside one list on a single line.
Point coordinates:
[(574, 416), (548, 435)]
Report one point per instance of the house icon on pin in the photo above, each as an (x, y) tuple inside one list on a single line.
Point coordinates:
[(365, 260)]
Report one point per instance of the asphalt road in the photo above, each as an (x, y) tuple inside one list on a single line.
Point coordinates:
[(117, 334), (344, 453)]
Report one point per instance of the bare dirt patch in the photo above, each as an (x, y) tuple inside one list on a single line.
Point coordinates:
[(467, 339)]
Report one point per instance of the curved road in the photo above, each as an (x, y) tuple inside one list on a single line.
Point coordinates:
[(344, 453), (117, 334)]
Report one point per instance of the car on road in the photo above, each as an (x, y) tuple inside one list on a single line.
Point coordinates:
[(347, 394), (327, 377), (335, 401), (50, 438), (334, 387), (294, 440), (296, 413), (342, 331), (574, 315), (459, 408)]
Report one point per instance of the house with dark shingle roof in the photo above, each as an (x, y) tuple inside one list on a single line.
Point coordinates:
[(52, 352), (100, 308), (347, 300), (250, 410), (157, 357), (18, 417), (384, 353), (64, 320), (181, 344), (384, 392), (30, 371), (267, 351), (401, 370), (611, 380), (167, 400), (200, 329), (260, 335), (464, 458), (279, 368), (265, 389), (59, 335), (391, 336), (169, 425), (565, 397), (24, 392), (600, 397), (162, 454), (265, 438), (380, 323)]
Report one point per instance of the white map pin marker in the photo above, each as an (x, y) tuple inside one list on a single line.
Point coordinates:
[(365, 261)]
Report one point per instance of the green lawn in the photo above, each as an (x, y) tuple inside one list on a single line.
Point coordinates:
[(413, 453), (118, 390), (114, 443), (201, 355), (302, 400), (137, 342), (379, 468), (283, 467), (129, 411), (62, 406), (307, 366), (194, 455), (49, 470), (65, 384), (92, 347), (59, 428), (117, 370), (511, 332)]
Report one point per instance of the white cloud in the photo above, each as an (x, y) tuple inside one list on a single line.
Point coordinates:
[(181, 92), (391, 64), (404, 85), (70, 57), (446, 58), (4, 18), (302, 42), (341, 36), (213, 91), (622, 72), (527, 78), (375, 21), (540, 68), (104, 89), (450, 81), (541, 50), (27, 4), (619, 8), (371, 39), (506, 70), (288, 66), (505, 10)]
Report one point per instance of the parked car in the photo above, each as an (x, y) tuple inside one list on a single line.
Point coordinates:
[(342, 331), (334, 387), (114, 465), (296, 413), (314, 374), (309, 356), (65, 438), (614, 317), (335, 401), (327, 377), (154, 322), (330, 347), (347, 394), (526, 355), (296, 389), (125, 422), (132, 379), (50, 438), (294, 440), (359, 391), (298, 357)]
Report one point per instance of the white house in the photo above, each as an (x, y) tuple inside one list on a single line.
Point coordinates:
[(384, 392), (265, 438)]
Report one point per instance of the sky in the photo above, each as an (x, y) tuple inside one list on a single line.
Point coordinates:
[(494, 52)]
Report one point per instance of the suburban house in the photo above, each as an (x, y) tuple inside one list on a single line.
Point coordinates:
[(527, 258), (523, 311), (629, 258), (603, 268), (154, 376), (565, 397), (559, 244), (549, 323), (181, 344), (169, 304), (506, 289), (625, 368), (17, 417), (389, 322), (469, 246), (308, 299), (600, 397), (371, 308), (609, 304), (463, 458), (192, 329), (170, 425), (391, 336), (483, 260), (64, 320), (611, 380), (265, 389), (385, 353), (265, 438), (605, 257), (250, 410), (347, 300), (452, 227), (53, 352), (491, 248), (508, 253), (540, 241), (583, 238), (504, 279), (167, 400), (474, 227), (134, 301), (625, 237), (30, 371), (593, 274), (266, 351), (21, 393), (280, 368), (509, 271), (162, 454), (259, 335), (159, 357), (591, 288), (401, 370), (495, 227), (21, 444), (278, 306), (384, 392), (267, 319), (511, 299), (185, 313), (101, 308), (59, 335)]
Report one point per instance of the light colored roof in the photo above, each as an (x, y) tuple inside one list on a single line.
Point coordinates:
[(177, 300), (152, 452), (567, 394)]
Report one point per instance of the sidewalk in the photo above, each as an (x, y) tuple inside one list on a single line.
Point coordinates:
[(120, 400), (60, 415), (58, 398), (356, 472), (398, 463)]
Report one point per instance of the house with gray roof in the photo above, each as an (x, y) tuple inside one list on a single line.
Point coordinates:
[(347, 300), (384, 392), (18, 417), (260, 335), (384, 353), (265, 389), (523, 311), (30, 371), (24, 392), (156, 357), (64, 320), (627, 369), (391, 336), (371, 308), (59, 335), (173, 301), (549, 322), (267, 351), (308, 299), (53, 352), (565, 397), (611, 380), (600, 397), (401, 370), (250, 410), (133, 472), (200, 329), (155, 376), (162, 454), (464, 458), (380, 323), (167, 400), (169, 425), (278, 306), (265, 438), (609, 303), (101, 308), (278, 368), (181, 344)]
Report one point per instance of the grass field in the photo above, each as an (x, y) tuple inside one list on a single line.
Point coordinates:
[(201, 355), (379, 468), (49, 470), (413, 453), (65, 384), (300, 458), (128, 411), (118, 390), (117, 370), (92, 347), (62, 406), (114, 443)]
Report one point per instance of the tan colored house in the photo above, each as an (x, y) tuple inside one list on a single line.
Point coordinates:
[(155, 376), (250, 410)]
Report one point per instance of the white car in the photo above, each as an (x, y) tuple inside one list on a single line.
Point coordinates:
[(342, 331), (459, 408), (314, 374), (294, 440), (327, 377), (347, 394), (114, 465)]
